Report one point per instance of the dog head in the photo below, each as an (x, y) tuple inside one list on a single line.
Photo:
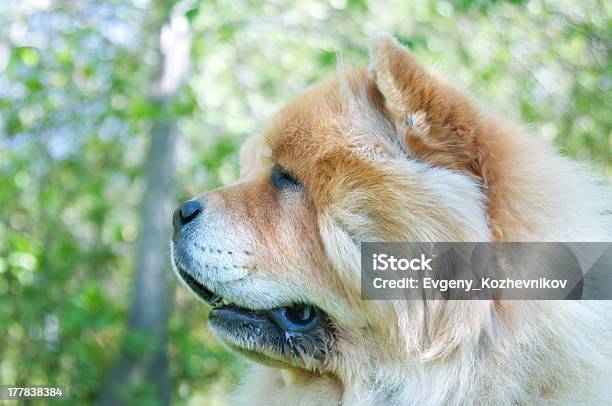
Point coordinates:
[(379, 155)]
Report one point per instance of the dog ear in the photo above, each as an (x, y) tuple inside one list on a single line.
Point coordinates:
[(434, 121), (394, 70)]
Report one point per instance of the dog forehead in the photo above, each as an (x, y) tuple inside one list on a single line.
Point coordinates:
[(340, 115), (312, 118)]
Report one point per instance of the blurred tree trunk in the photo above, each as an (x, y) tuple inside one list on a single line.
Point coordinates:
[(143, 361)]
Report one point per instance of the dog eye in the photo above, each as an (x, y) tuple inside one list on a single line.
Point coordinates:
[(282, 179)]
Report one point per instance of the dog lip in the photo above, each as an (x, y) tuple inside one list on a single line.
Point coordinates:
[(237, 314), (279, 316), (199, 289), (296, 318)]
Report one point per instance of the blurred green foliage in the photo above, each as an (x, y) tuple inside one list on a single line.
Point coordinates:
[(75, 118)]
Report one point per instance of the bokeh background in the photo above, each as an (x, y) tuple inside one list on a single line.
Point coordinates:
[(113, 111)]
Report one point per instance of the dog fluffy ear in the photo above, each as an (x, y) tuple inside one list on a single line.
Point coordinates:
[(435, 122), (394, 70)]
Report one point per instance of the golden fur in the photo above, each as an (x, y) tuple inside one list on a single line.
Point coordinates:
[(396, 154)]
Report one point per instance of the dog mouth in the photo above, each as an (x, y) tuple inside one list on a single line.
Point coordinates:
[(299, 334), (294, 318)]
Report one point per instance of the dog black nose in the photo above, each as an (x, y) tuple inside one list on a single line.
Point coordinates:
[(185, 213)]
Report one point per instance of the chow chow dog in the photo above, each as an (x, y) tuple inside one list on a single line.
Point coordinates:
[(392, 153)]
